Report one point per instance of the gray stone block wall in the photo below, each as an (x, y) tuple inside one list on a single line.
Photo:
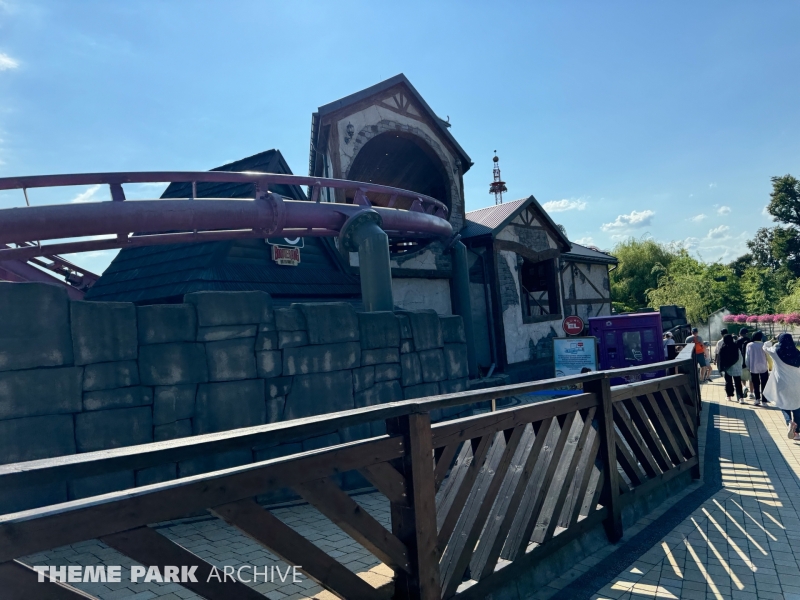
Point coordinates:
[(87, 376)]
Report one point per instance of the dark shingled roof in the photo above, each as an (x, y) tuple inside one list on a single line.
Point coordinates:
[(492, 219), (165, 273), (585, 254)]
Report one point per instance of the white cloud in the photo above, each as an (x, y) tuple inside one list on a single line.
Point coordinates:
[(564, 205), (7, 63), (697, 218), (690, 242), (724, 210), (88, 195), (634, 220), (585, 241), (718, 232), (712, 185)]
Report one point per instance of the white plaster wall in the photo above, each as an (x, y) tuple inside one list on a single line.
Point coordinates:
[(416, 294), (518, 334)]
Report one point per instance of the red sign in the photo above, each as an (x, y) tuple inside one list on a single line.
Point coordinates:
[(286, 256), (572, 325)]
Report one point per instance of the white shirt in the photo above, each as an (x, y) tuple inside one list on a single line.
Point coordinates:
[(754, 357), (784, 382)]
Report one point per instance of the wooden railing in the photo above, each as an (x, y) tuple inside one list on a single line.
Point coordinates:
[(472, 500)]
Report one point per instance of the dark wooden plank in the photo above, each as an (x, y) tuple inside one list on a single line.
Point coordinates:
[(347, 514), (674, 422), (592, 501), (452, 482), (608, 453), (651, 484), (555, 460), (269, 531), (630, 390), (509, 574), (464, 541), (679, 395), (148, 547), (472, 427), (494, 536), (628, 463), (642, 422), (423, 547), (661, 426), (569, 475), (459, 500), (586, 476), (444, 462), (52, 526), (18, 581), (531, 493), (635, 442), (388, 481)]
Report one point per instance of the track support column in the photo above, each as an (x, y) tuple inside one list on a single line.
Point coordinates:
[(362, 233), (462, 303)]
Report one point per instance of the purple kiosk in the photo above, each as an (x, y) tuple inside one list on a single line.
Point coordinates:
[(629, 341)]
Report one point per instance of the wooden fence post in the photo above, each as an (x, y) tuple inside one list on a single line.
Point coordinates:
[(694, 384), (414, 521), (608, 449)]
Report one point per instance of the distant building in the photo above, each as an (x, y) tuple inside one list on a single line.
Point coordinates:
[(525, 275)]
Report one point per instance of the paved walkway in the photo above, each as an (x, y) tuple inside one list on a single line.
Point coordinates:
[(726, 537), (735, 540)]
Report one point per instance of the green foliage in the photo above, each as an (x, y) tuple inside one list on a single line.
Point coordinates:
[(784, 202), (765, 280), (772, 248), (760, 290), (701, 288), (641, 262)]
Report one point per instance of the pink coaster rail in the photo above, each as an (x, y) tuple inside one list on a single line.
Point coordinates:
[(196, 219)]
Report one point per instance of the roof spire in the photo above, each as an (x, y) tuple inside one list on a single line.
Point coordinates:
[(497, 186)]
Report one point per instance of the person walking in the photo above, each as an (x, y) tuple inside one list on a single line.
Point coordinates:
[(782, 388), (722, 334), (729, 363), (756, 361), (668, 341), (700, 353), (742, 342)]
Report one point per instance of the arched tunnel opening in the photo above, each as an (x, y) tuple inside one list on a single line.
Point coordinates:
[(400, 160)]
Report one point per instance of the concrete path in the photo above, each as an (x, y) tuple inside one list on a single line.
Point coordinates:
[(729, 536)]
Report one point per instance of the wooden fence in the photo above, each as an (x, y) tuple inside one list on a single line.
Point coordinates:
[(473, 500)]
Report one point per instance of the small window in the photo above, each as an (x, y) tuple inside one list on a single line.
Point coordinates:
[(539, 289), (632, 345)]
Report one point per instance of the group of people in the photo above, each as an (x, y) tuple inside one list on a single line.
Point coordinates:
[(766, 371)]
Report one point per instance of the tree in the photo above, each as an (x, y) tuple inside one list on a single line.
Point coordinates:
[(760, 290), (641, 262), (773, 248), (700, 288), (784, 202)]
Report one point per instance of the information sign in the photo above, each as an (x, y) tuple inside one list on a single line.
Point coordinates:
[(572, 355)]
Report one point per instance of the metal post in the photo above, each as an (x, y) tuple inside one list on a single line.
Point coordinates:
[(462, 303), (362, 233)]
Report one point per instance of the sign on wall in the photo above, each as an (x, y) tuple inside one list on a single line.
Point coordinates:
[(572, 355), (572, 325), (286, 256)]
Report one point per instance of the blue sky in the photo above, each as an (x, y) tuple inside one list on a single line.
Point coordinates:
[(624, 118)]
